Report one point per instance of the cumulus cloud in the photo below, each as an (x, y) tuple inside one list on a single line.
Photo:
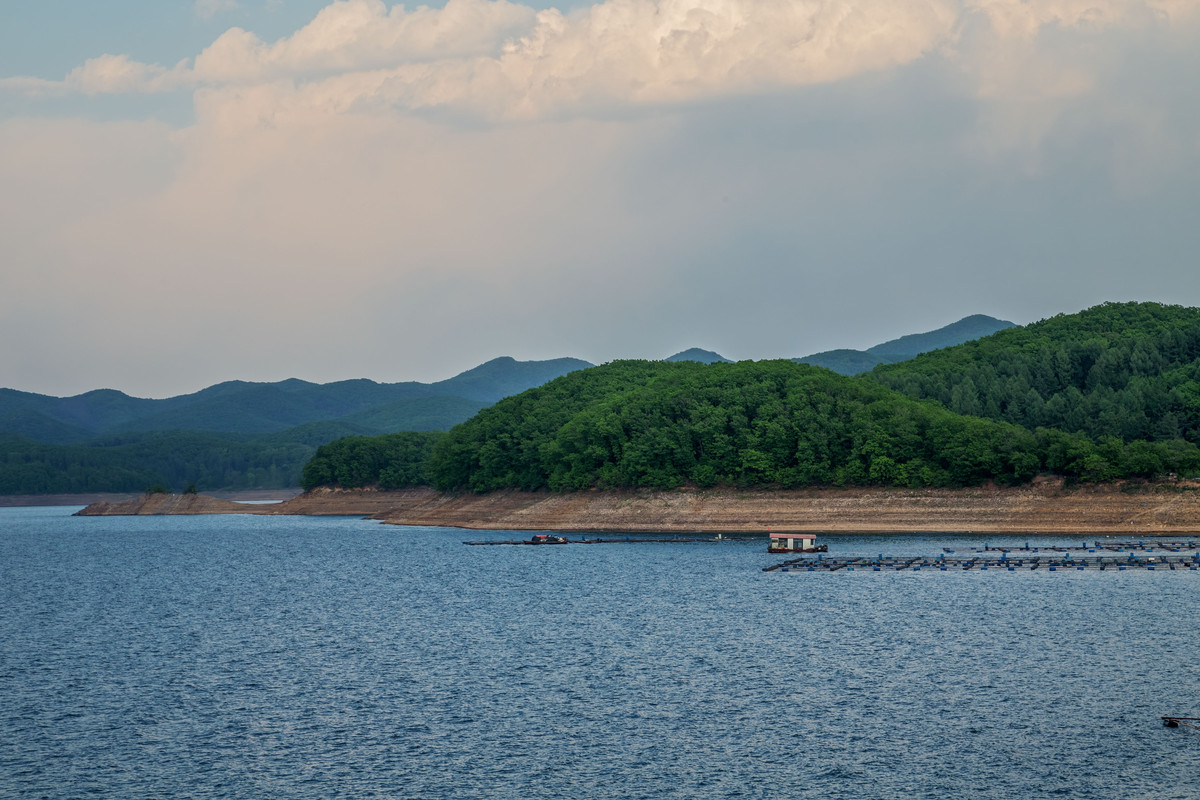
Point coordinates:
[(364, 34), (111, 74), (881, 161), (1023, 19), (504, 60)]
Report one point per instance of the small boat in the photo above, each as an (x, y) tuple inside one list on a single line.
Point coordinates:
[(545, 538), (795, 543)]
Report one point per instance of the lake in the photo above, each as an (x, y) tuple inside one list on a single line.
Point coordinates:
[(305, 657)]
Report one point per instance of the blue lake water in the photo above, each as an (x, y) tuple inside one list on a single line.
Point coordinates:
[(268, 657)]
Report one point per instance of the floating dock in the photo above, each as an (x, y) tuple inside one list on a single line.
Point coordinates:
[(1027, 563), (1110, 547), (625, 540)]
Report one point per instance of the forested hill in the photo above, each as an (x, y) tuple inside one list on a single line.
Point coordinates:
[(656, 424), (233, 435), (772, 423), (242, 407), (1125, 370), (697, 354)]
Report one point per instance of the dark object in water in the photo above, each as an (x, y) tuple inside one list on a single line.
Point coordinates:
[(1175, 722)]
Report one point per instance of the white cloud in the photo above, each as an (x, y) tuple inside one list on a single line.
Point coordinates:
[(207, 9), (1019, 18), (364, 34), (109, 74), (345, 202), (504, 61)]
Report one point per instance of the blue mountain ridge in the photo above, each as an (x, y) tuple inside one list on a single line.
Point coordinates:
[(362, 406)]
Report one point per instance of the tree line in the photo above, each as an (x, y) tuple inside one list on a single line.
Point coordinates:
[(1108, 393), (774, 423), (1124, 370), (134, 462)]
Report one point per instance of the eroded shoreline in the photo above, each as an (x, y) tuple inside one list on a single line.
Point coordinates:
[(1044, 507)]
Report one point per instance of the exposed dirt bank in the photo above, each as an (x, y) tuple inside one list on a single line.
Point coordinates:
[(1046, 507), (164, 504), (242, 495)]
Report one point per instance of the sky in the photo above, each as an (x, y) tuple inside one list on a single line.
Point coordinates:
[(193, 192)]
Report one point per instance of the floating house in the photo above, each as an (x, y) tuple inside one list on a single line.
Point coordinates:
[(794, 543)]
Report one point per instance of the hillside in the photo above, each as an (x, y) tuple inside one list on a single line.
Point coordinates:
[(659, 425), (844, 362), (233, 435), (640, 424), (1110, 392), (966, 329), (1124, 370), (696, 354), (853, 362), (242, 407), (132, 462)]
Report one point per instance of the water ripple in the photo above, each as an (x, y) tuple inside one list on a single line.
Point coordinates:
[(288, 658)]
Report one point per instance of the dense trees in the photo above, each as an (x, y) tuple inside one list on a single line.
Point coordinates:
[(1112, 392), (1123, 370), (131, 463), (242, 435), (648, 424), (392, 461)]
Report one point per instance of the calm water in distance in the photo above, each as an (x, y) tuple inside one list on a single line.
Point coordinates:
[(292, 657)]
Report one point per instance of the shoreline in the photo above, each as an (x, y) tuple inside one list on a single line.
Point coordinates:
[(1044, 507), (88, 498)]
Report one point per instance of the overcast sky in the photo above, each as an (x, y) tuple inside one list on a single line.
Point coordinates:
[(193, 192)]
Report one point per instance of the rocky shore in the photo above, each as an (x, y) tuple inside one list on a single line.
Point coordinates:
[(1043, 507)]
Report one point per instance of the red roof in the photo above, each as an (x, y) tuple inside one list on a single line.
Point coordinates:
[(776, 535)]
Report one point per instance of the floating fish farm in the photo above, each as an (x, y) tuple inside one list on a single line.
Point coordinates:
[(1111, 547), (1036, 559), (553, 540)]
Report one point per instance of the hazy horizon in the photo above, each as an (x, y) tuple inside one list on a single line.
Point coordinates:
[(263, 189), (437, 376)]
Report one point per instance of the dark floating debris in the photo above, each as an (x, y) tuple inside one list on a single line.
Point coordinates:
[(1187, 722)]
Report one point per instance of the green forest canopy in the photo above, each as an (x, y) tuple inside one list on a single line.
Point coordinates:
[(1112, 391), (774, 423), (133, 462), (1128, 370)]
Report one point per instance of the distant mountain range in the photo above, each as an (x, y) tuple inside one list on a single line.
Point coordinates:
[(1110, 393), (362, 406), (240, 434), (852, 362)]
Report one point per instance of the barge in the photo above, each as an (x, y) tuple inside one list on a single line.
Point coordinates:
[(794, 543)]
